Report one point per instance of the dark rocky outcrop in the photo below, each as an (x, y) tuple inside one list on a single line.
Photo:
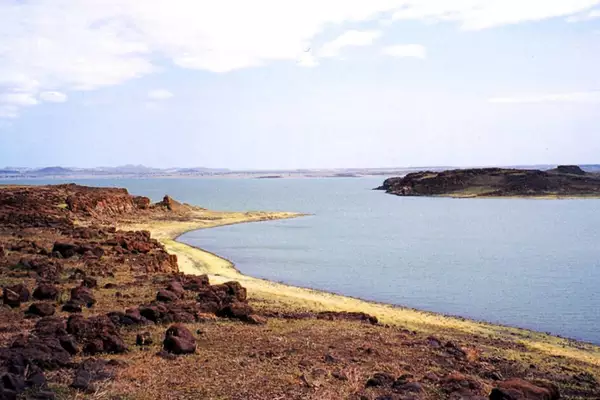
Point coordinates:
[(565, 180)]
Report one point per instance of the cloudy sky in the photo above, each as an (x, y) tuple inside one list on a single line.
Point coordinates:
[(299, 84)]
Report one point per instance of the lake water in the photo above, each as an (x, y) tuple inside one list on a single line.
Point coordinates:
[(527, 263)]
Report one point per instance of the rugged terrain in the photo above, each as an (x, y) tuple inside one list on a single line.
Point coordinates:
[(563, 181), (95, 307)]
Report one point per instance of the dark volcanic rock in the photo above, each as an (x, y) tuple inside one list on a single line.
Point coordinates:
[(89, 282), (237, 310), (562, 181), (72, 307), (45, 291), (179, 340), (15, 295), (166, 296), (519, 389), (96, 334), (83, 295), (41, 309), (89, 371), (380, 379)]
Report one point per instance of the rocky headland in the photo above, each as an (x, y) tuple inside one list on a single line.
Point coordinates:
[(563, 181), (95, 306)]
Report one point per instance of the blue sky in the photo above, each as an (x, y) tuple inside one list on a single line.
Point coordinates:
[(310, 84)]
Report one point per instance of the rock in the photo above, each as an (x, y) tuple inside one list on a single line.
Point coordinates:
[(407, 387), (179, 340), (195, 282), (41, 309), (66, 250), (45, 291), (15, 295), (69, 344), (177, 288), (519, 389), (143, 339), (72, 307), (89, 371), (89, 282), (166, 296), (11, 298), (380, 379), (236, 310), (83, 295), (130, 317), (96, 334)]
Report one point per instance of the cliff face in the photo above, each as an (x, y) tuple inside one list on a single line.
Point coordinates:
[(482, 182)]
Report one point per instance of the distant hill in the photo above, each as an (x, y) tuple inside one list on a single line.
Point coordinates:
[(52, 171)]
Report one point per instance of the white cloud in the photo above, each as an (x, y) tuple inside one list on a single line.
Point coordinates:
[(53, 97), (593, 14), (484, 14), (405, 50), (18, 99), (159, 94), (574, 97), (67, 45), (348, 39)]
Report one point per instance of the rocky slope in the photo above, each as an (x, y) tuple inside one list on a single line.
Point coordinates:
[(487, 182), (90, 311)]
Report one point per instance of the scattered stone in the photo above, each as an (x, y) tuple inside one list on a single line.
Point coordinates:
[(45, 291), (177, 288), (380, 379), (83, 295), (72, 307), (166, 296), (41, 309), (179, 340), (96, 334), (237, 310), (15, 295), (11, 298), (519, 389), (89, 282), (89, 371)]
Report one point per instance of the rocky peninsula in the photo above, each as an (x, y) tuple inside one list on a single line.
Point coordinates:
[(100, 301), (563, 181)]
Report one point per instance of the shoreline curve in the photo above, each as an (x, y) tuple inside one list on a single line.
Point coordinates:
[(284, 297)]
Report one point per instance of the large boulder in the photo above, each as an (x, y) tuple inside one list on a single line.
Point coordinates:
[(45, 291), (179, 340)]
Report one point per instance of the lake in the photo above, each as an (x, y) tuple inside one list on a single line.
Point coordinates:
[(527, 263)]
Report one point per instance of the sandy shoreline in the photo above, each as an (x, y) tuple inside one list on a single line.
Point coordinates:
[(283, 297)]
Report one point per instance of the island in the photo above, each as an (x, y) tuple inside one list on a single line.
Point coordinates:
[(562, 181), (100, 300)]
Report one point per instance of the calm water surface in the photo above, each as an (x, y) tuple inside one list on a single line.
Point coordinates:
[(527, 263)]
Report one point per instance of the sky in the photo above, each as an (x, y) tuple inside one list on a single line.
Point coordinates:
[(285, 84)]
